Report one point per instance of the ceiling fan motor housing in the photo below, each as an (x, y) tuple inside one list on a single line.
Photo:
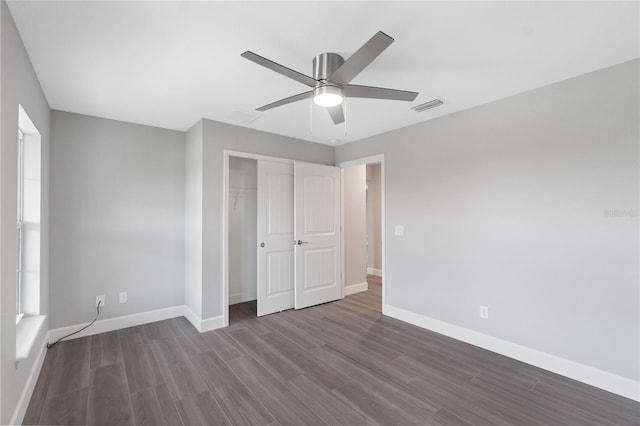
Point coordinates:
[(325, 64)]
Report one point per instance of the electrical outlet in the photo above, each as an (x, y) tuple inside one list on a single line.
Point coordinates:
[(484, 312), (399, 231), (101, 299), (123, 297)]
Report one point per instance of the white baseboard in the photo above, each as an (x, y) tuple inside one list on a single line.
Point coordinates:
[(356, 288), (373, 271), (212, 323), (193, 318), (25, 397), (203, 325), (583, 373), (117, 323)]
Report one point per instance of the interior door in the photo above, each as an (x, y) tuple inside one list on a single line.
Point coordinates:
[(317, 234), (275, 237)]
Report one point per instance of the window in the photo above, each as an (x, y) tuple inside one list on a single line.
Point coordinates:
[(29, 318), (19, 307), (28, 202)]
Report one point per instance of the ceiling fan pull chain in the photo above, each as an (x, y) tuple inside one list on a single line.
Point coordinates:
[(344, 106), (311, 116)]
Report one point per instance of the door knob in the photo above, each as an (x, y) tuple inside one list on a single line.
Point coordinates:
[(261, 244), (300, 242)]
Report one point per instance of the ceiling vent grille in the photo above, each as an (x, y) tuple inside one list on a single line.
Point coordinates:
[(428, 105)]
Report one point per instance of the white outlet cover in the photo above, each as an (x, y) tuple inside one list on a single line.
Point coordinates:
[(399, 231), (123, 297), (484, 312), (102, 299)]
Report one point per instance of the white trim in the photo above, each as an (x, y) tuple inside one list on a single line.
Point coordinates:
[(203, 325), (230, 153), (27, 332), (374, 271), (25, 397), (595, 377), (343, 266), (212, 323), (383, 232), (225, 237), (118, 323), (192, 317), (379, 158), (356, 288)]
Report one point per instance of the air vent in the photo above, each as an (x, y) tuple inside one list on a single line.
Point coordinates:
[(428, 105)]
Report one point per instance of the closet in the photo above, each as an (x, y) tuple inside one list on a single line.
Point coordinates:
[(284, 234), (243, 181)]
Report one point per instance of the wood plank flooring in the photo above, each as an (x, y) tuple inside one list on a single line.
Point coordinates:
[(342, 363)]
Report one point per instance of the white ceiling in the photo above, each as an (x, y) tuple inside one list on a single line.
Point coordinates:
[(168, 64)]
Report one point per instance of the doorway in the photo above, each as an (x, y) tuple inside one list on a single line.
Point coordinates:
[(374, 229), (282, 235), (242, 214), (363, 225)]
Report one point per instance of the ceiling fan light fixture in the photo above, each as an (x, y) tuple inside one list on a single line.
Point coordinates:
[(327, 95)]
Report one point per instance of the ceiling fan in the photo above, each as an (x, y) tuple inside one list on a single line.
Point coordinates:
[(331, 77)]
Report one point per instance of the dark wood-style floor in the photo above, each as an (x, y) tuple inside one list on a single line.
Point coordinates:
[(341, 363)]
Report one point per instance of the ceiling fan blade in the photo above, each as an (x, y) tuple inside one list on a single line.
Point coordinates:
[(289, 100), (280, 69), (355, 91), (359, 60), (336, 113)]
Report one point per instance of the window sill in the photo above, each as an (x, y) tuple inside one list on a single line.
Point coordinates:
[(27, 331)]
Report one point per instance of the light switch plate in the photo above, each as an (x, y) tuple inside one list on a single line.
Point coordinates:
[(399, 231)]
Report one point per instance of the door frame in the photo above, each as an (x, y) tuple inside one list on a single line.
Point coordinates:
[(356, 162), (225, 220)]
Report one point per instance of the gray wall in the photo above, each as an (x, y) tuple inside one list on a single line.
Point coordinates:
[(117, 202), (243, 229), (193, 219), (528, 205), (374, 216), (355, 224), (218, 137), (18, 86)]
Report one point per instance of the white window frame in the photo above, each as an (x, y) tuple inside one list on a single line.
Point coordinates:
[(20, 219)]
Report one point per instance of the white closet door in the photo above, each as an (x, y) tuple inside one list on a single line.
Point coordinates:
[(317, 232), (275, 237)]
